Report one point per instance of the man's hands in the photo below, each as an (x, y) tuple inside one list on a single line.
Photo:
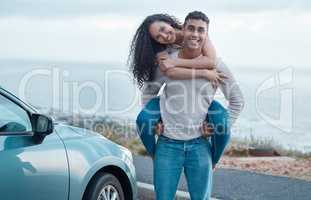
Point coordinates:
[(207, 130), (159, 127)]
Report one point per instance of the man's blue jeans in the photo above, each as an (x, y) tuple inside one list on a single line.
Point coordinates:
[(193, 156), (217, 116)]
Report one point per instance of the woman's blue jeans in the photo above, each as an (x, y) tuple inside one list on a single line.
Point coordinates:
[(217, 116)]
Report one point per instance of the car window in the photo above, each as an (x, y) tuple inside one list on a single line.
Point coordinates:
[(12, 117)]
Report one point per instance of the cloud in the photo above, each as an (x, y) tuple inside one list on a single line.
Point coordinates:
[(78, 39), (264, 39), (73, 8), (262, 33)]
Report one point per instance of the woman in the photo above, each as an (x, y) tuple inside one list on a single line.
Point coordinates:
[(154, 37)]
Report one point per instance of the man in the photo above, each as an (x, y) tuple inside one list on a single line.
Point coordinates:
[(183, 106)]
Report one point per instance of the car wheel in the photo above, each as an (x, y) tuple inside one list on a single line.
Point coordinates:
[(105, 187)]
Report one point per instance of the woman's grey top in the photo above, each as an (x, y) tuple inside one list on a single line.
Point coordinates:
[(184, 103)]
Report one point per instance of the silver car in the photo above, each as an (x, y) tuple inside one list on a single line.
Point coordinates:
[(42, 160)]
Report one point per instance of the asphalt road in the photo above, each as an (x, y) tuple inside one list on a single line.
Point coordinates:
[(239, 185)]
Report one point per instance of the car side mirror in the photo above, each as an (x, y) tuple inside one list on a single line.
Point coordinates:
[(41, 125)]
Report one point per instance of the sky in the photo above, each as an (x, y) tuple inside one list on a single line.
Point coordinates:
[(258, 33)]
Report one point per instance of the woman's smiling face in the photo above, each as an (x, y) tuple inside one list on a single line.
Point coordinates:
[(162, 32)]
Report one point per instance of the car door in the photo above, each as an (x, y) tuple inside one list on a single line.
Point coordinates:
[(29, 169)]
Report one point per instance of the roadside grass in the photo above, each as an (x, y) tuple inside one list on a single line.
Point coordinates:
[(241, 146)]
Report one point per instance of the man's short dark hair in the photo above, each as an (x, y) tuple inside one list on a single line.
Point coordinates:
[(198, 16)]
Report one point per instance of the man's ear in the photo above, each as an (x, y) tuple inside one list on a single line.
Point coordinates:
[(183, 26)]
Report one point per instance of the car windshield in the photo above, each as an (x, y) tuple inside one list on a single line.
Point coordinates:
[(18, 100)]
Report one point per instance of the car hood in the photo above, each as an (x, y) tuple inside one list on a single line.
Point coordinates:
[(70, 132), (75, 135)]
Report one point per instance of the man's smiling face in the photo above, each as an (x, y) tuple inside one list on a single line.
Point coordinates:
[(195, 33)]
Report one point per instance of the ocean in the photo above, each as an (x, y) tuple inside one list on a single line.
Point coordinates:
[(277, 98)]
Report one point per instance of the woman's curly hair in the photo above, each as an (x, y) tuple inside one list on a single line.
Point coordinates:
[(144, 48)]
